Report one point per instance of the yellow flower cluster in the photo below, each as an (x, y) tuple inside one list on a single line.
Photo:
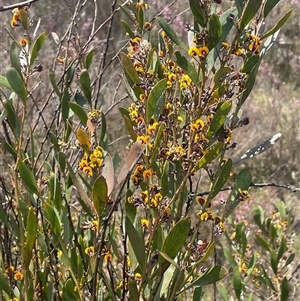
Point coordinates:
[(254, 43), (91, 161), (198, 51)]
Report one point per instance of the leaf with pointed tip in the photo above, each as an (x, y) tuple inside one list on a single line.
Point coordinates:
[(220, 179), (53, 219), (85, 84), (79, 112), (99, 194), (14, 54), (174, 241), (243, 182), (155, 94), (237, 282), (219, 118), (130, 72), (53, 82), (210, 154), (31, 231), (211, 276), (16, 82), (136, 242), (172, 34), (188, 67), (249, 12), (37, 45), (199, 12), (215, 31), (89, 58), (28, 177), (128, 29), (4, 82), (269, 5), (279, 24)]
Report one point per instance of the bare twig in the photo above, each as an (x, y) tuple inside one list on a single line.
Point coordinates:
[(288, 187), (19, 4)]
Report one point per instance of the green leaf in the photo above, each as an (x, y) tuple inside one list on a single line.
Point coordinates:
[(243, 182), (250, 64), (188, 67), (282, 249), (210, 154), (258, 216), (289, 260), (4, 82), (99, 195), (79, 112), (220, 76), (53, 82), (208, 252), (4, 284), (284, 296), (154, 38), (215, 31), (16, 82), (175, 241), (249, 12), (223, 292), (279, 24), (154, 96), (169, 259), (89, 58), (263, 243), (281, 207), (28, 177), (198, 294), (128, 123), (172, 34), (274, 262), (133, 290), (211, 276), (55, 191), (85, 84), (137, 243), (141, 18), (249, 85), (53, 219), (219, 118), (128, 29), (237, 282), (199, 13), (12, 118), (15, 57), (229, 257), (130, 72), (252, 263), (31, 231), (221, 178), (62, 157), (65, 104), (38, 44), (269, 5), (24, 18)]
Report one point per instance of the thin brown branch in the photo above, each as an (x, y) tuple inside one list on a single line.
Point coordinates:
[(260, 185), (19, 4)]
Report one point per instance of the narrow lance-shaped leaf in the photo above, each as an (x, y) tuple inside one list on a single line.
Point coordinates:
[(31, 231), (136, 242), (4, 82), (99, 195), (219, 118), (28, 177), (249, 12), (38, 44), (198, 12), (85, 83), (175, 241), (14, 54), (130, 72), (211, 276), (269, 5), (79, 111), (215, 30), (16, 82), (237, 282), (153, 98), (188, 67), (128, 29), (53, 219), (210, 154), (171, 34), (220, 179), (89, 58), (279, 24)]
